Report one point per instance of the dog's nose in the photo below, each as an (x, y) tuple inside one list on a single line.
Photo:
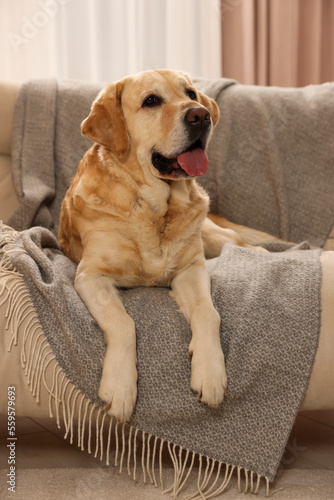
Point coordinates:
[(197, 116)]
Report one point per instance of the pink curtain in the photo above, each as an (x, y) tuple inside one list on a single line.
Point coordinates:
[(289, 43)]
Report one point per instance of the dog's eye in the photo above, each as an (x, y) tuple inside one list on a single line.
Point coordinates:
[(191, 94), (151, 101)]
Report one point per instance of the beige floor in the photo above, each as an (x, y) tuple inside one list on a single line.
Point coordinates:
[(48, 466)]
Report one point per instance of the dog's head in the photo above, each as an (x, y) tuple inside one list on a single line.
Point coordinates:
[(160, 118)]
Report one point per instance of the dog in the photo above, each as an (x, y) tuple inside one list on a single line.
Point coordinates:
[(134, 215)]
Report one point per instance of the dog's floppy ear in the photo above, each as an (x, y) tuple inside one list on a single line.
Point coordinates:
[(211, 105), (105, 123)]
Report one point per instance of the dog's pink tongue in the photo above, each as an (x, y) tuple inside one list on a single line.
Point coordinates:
[(194, 162)]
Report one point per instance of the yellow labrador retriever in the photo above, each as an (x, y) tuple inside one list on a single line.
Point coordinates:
[(135, 216)]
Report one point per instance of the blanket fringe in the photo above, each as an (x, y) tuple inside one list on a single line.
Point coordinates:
[(69, 404)]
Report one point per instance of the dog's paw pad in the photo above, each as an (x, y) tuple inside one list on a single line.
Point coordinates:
[(209, 379)]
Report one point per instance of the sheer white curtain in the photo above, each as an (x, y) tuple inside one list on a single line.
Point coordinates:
[(103, 40)]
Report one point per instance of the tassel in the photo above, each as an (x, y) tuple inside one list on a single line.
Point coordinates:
[(129, 450), (108, 443), (123, 448)]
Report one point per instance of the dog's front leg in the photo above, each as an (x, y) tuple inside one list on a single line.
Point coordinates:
[(192, 291), (118, 386)]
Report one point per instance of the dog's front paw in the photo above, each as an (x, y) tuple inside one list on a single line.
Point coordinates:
[(208, 375), (118, 386)]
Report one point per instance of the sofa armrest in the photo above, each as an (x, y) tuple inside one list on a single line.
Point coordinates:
[(8, 198), (8, 96)]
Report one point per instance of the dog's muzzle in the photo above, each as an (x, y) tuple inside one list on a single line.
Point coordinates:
[(193, 160)]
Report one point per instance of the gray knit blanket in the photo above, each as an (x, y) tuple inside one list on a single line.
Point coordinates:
[(269, 303)]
